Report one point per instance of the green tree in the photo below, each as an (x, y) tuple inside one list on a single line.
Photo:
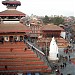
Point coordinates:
[(46, 19), (57, 20)]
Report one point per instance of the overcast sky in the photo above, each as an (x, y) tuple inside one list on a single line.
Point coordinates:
[(45, 7)]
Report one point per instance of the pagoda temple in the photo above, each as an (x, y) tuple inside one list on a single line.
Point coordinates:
[(46, 33), (11, 13), (16, 56)]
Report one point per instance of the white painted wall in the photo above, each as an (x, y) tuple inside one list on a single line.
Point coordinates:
[(63, 34), (11, 22)]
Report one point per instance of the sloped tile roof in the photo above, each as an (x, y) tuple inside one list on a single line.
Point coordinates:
[(11, 2), (13, 28), (11, 13), (51, 27), (20, 60)]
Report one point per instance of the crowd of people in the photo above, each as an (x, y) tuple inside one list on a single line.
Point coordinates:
[(63, 62)]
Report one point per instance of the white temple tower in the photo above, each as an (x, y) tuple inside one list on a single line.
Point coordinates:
[(53, 53)]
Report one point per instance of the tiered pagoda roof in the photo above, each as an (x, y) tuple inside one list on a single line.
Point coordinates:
[(11, 13), (4, 28), (15, 59), (11, 2), (15, 56)]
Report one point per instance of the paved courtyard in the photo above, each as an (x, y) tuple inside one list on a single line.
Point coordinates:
[(70, 67)]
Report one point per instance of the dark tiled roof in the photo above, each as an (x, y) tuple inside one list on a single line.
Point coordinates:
[(51, 27), (11, 13), (11, 2), (13, 28)]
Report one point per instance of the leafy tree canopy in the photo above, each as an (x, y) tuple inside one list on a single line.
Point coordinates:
[(46, 19), (55, 20)]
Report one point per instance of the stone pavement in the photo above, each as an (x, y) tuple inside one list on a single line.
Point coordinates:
[(70, 67)]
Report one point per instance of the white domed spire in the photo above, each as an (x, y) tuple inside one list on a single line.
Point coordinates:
[(53, 50)]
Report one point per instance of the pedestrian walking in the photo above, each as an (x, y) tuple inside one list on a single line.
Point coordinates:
[(66, 58), (61, 74), (66, 51), (69, 56), (61, 66), (69, 60), (65, 64)]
